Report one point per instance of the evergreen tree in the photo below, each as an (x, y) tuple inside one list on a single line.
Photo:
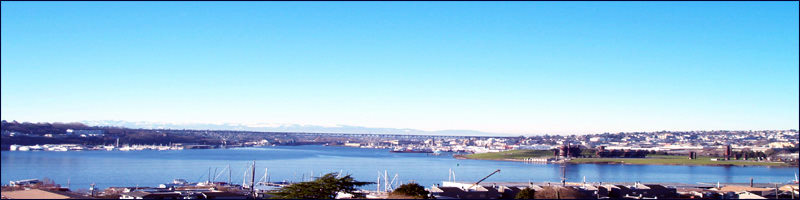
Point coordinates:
[(526, 193), (325, 187), (411, 190)]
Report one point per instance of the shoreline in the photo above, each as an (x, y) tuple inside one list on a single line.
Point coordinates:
[(464, 157)]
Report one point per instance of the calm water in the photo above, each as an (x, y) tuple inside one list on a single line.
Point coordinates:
[(150, 168)]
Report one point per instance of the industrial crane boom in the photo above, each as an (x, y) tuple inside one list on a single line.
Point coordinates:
[(484, 178)]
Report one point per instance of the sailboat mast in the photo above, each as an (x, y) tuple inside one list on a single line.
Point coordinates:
[(253, 180), (215, 175), (244, 177), (385, 181), (379, 183), (392, 183), (449, 174), (263, 178)]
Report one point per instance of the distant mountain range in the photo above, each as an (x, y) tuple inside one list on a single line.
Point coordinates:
[(272, 127)]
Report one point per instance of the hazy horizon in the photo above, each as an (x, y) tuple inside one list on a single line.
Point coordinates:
[(493, 67), (330, 129)]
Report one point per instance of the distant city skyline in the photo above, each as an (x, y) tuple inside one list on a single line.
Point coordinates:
[(495, 67)]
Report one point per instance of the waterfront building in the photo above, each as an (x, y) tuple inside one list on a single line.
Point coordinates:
[(25, 182), (640, 190), (749, 195), (753, 190), (181, 194), (476, 192), (222, 195), (86, 133), (150, 195), (349, 144)]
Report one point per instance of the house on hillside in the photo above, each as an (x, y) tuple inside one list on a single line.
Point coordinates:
[(754, 190), (476, 192), (150, 195)]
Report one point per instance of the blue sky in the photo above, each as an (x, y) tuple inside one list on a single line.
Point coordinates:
[(506, 67)]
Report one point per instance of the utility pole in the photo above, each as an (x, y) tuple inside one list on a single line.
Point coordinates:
[(776, 191), (558, 195), (563, 175), (91, 189)]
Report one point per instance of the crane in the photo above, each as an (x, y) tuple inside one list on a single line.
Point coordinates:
[(484, 178)]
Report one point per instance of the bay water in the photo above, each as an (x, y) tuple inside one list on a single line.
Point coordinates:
[(295, 163)]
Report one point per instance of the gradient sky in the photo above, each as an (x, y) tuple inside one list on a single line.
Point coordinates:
[(508, 67)]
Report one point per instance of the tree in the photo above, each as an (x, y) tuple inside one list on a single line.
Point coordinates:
[(409, 191), (325, 187), (526, 193), (46, 183), (762, 154), (553, 192), (574, 151), (768, 152)]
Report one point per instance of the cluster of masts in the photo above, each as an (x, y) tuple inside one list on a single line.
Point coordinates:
[(388, 186), (383, 186)]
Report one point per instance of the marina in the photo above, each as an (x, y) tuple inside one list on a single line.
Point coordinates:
[(298, 163)]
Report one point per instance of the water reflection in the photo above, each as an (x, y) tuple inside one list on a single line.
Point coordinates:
[(727, 173), (150, 168)]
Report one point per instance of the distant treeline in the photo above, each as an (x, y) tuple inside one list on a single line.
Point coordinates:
[(40, 128), (34, 133)]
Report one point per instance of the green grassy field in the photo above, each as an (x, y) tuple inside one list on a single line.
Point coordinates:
[(513, 154), (673, 160), (650, 160)]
